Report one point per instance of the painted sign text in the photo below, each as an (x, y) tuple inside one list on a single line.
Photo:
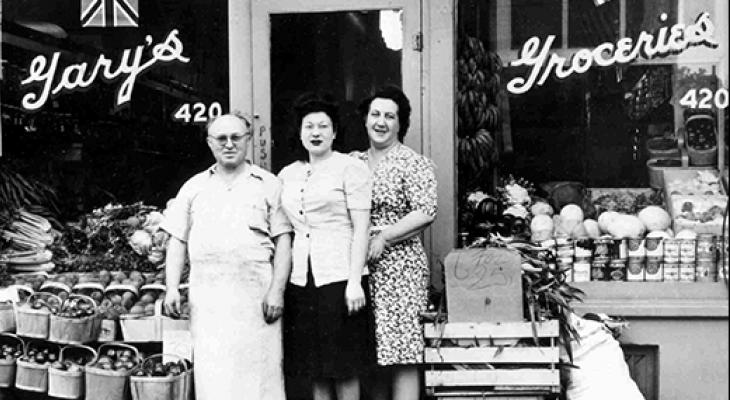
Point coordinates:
[(667, 40), (80, 76)]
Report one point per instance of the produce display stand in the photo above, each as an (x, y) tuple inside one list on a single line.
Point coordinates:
[(491, 360)]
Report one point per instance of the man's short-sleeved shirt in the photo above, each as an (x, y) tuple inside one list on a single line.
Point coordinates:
[(213, 216), (318, 204)]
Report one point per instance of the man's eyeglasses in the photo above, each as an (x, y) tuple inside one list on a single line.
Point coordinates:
[(223, 140)]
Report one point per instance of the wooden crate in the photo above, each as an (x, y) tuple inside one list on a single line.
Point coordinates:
[(491, 360)]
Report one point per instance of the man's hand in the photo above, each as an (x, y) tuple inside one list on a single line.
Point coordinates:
[(172, 302), (273, 305), (354, 297)]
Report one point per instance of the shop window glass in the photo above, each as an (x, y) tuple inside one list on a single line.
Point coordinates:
[(536, 18), (593, 127), (644, 15), (590, 25), (92, 149)]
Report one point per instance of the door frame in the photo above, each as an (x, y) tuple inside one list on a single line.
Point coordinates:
[(438, 124), (261, 50)]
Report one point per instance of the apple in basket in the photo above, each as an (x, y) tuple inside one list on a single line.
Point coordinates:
[(9, 352), (158, 368), (68, 365), (40, 304), (39, 356), (76, 308), (116, 360)]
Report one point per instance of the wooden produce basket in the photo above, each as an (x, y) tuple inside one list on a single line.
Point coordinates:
[(108, 330), (7, 317), (484, 360), (35, 322), (697, 156), (32, 376), (8, 367), (103, 384), (137, 328), (69, 330), (65, 384), (700, 204), (161, 387)]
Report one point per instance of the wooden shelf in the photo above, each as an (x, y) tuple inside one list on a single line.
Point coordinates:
[(655, 299)]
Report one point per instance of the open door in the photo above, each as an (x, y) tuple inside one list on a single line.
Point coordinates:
[(335, 47)]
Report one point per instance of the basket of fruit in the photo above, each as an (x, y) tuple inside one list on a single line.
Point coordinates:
[(66, 376), (7, 316), (58, 286), (107, 377), (160, 380), (33, 317), (701, 139), (95, 290), (32, 369), (11, 348), (77, 321)]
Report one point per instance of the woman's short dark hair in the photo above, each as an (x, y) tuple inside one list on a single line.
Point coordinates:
[(395, 94), (308, 103)]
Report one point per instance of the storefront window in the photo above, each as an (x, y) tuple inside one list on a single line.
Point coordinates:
[(120, 137), (592, 126)]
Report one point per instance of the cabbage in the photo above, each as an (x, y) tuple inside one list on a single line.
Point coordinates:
[(141, 242), (517, 210), (605, 219), (592, 229), (572, 212), (655, 218), (541, 208), (541, 228), (626, 226)]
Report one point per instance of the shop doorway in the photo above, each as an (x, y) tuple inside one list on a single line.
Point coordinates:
[(330, 46)]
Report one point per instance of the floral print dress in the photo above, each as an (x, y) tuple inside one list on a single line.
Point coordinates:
[(403, 181)]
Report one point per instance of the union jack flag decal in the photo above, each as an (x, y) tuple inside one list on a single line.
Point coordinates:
[(109, 13)]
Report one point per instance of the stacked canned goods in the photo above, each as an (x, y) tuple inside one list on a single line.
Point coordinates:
[(654, 269), (687, 259), (609, 259), (671, 259), (582, 253), (600, 260), (635, 266), (651, 259), (706, 258), (618, 253), (723, 260)]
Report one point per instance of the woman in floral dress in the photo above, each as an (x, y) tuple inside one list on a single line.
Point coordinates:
[(403, 204)]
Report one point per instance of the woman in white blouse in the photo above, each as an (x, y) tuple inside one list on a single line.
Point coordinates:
[(328, 333)]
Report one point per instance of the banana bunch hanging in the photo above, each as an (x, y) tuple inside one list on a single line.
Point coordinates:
[(478, 114)]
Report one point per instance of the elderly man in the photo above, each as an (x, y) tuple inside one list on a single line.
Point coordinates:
[(229, 221)]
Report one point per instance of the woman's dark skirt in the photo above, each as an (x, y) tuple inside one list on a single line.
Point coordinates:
[(320, 340)]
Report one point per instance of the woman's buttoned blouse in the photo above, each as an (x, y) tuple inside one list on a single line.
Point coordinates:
[(318, 203)]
